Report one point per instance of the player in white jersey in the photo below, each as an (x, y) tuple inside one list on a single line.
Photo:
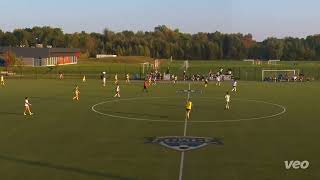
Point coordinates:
[(218, 78), (104, 79), (127, 78), (2, 81), (116, 79), (27, 106), (61, 76), (175, 79), (154, 82), (227, 97), (234, 85), (84, 78), (117, 91)]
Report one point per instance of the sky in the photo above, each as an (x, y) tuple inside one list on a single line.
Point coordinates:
[(261, 18)]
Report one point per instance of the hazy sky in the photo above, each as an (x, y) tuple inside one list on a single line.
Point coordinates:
[(262, 18)]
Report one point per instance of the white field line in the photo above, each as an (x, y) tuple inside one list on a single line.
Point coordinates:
[(184, 134), (283, 110)]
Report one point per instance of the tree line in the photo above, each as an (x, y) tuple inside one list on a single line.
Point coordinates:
[(164, 42)]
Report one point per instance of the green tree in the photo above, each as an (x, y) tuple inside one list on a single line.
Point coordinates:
[(274, 48)]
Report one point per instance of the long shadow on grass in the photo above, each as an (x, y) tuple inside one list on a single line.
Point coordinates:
[(55, 98), (11, 113), (63, 168), (166, 105)]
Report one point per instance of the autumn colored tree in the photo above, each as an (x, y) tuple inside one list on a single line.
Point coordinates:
[(164, 42)]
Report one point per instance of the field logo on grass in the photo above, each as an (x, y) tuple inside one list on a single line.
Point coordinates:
[(184, 143), (296, 164)]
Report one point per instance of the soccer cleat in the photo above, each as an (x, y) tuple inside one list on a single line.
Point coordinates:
[(31, 114), (24, 114)]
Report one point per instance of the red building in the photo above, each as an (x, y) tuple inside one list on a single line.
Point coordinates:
[(44, 56)]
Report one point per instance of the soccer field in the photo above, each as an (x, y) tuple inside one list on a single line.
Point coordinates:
[(101, 137)]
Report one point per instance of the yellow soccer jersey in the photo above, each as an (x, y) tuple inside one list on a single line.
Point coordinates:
[(189, 105)]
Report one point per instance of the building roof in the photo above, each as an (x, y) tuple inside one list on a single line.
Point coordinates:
[(39, 52)]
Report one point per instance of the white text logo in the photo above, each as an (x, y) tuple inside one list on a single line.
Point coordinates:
[(296, 164)]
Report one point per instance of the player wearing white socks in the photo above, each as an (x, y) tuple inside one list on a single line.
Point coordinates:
[(76, 94), (61, 76), (218, 78), (117, 91), (175, 79), (227, 97), (116, 79), (27, 106), (234, 85), (104, 79), (127, 78)]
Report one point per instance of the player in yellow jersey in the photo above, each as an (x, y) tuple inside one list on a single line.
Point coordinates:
[(188, 108), (206, 82), (2, 80), (76, 93)]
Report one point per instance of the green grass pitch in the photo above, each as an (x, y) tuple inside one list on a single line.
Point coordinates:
[(67, 140)]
